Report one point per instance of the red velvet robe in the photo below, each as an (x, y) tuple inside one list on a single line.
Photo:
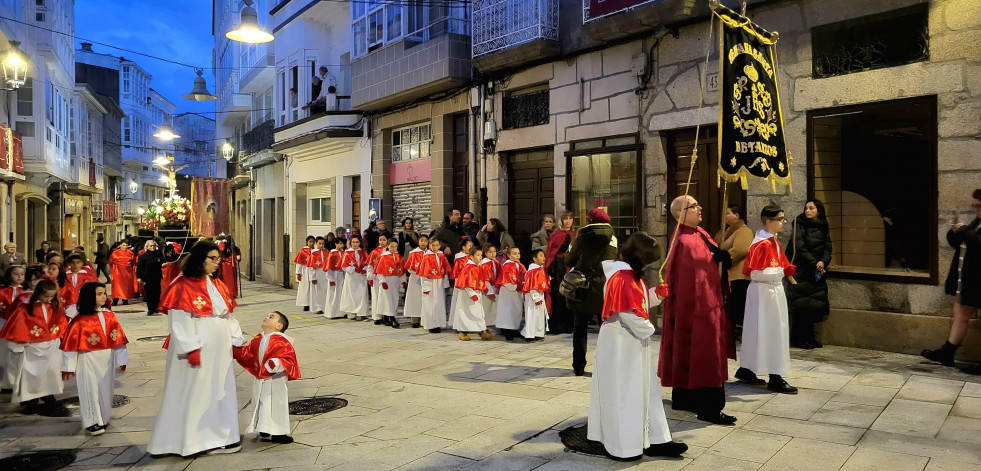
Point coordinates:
[(85, 275), (625, 293), (359, 262), (24, 328), (229, 272), (85, 334), (278, 347), (696, 338), (513, 273), (123, 268), (171, 270), (471, 276), (434, 266)]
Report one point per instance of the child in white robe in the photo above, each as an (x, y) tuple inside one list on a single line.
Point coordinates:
[(766, 327), (459, 261), (270, 357), (510, 298), (625, 409), (389, 274), (434, 269), (33, 333), (490, 268), (302, 261), (318, 277), (93, 347), (335, 280), (354, 294), (412, 307), (535, 285), (469, 314), (370, 271)]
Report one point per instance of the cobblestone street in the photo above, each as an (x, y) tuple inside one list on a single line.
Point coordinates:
[(429, 401)]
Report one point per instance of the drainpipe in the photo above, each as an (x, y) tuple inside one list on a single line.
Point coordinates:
[(252, 205), (286, 222), (472, 157)]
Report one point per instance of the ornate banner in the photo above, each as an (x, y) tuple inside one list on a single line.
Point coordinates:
[(209, 207), (751, 139)]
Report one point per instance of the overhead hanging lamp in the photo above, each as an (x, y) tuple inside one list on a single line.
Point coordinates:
[(200, 91), (15, 65), (248, 30), (166, 132)]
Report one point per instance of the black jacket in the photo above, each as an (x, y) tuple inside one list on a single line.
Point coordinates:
[(449, 235), (148, 266), (593, 244), (970, 272), (812, 240)]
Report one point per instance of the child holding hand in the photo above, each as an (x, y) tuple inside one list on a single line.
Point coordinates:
[(270, 357)]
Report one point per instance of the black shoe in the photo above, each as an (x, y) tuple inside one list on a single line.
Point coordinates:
[(96, 430), (282, 439), (125, 302), (393, 323), (778, 385), (306, 308), (435, 331), (263, 435), (579, 371), (943, 355), (379, 322), (717, 419), (320, 312), (233, 448), (670, 449), (748, 377), (416, 325), (6, 391), (803, 345), (115, 301), (815, 344)]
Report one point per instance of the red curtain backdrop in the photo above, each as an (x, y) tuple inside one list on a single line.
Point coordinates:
[(209, 207)]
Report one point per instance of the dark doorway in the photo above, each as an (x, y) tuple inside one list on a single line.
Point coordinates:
[(356, 203), (531, 195), (461, 167), (704, 178)]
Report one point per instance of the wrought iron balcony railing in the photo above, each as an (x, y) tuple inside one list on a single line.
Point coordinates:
[(259, 138), (502, 24)]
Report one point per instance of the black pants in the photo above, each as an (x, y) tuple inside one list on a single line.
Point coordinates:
[(560, 320), (801, 328), (103, 269), (579, 329), (152, 295), (709, 401), (737, 302)]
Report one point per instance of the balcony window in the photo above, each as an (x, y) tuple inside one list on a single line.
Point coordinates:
[(411, 143), (377, 24)]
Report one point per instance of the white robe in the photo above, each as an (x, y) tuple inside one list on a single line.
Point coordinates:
[(455, 293), (434, 303), (95, 374), (34, 369), (510, 307), (333, 308), (766, 328), (270, 398), (318, 292), (376, 312), (354, 295), (490, 305), (624, 397), (536, 315), (4, 352), (469, 314), (303, 290), (388, 299), (413, 296), (200, 405)]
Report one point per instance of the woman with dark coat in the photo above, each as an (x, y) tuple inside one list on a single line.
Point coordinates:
[(963, 283), (594, 243), (810, 250), (559, 317)]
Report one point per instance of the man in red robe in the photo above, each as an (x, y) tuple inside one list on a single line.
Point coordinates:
[(696, 338), (123, 265)]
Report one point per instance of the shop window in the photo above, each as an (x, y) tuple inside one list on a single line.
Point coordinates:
[(859, 157), (414, 142), (871, 42), (320, 210), (526, 108), (603, 173)]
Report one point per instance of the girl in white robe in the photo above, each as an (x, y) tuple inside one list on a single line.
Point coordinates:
[(433, 270), (354, 295), (459, 261), (510, 299), (335, 281), (33, 334), (303, 272), (625, 409), (535, 286), (389, 278), (412, 307), (370, 268), (93, 347), (318, 277), (490, 269)]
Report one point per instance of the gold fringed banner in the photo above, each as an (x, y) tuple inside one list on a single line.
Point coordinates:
[(751, 131), (209, 207)]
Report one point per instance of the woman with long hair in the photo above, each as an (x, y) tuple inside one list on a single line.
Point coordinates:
[(200, 406), (560, 318), (810, 250), (496, 234)]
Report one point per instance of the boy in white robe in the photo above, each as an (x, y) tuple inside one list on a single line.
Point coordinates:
[(301, 260), (625, 409), (469, 314), (335, 281), (318, 277), (510, 298), (433, 270), (535, 285), (490, 268), (766, 328), (412, 307), (270, 357), (459, 262)]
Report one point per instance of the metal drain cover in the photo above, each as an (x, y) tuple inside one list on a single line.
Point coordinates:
[(574, 438), (41, 461), (154, 338), (316, 405), (69, 407)]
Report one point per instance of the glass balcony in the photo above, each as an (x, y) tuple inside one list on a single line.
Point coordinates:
[(504, 24)]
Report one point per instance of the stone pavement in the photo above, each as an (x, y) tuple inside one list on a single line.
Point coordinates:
[(425, 401)]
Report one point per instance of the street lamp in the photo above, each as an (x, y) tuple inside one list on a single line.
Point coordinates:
[(200, 91), (226, 151), (248, 30), (133, 186), (15, 64), (166, 132)]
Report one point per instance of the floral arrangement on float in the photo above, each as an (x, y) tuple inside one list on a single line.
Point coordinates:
[(168, 212)]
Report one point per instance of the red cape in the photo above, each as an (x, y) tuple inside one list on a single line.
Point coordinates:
[(554, 251), (511, 272), (317, 259), (413, 260), (489, 270), (765, 254), (24, 328), (123, 268), (625, 293), (696, 338), (302, 256), (459, 261), (71, 289), (279, 347), (349, 260), (389, 265), (334, 260), (191, 295), (373, 257), (171, 270), (433, 265), (535, 280), (471, 276), (7, 300), (85, 334)]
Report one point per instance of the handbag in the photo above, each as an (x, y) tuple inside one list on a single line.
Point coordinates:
[(575, 283)]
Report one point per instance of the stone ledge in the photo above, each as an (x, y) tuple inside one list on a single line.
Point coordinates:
[(893, 332)]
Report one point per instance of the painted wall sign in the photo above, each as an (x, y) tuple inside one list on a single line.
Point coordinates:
[(411, 171)]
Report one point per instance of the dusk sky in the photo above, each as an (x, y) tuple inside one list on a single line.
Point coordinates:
[(179, 30)]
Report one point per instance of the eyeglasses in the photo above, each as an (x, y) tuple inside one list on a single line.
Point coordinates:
[(694, 206), (214, 258)]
